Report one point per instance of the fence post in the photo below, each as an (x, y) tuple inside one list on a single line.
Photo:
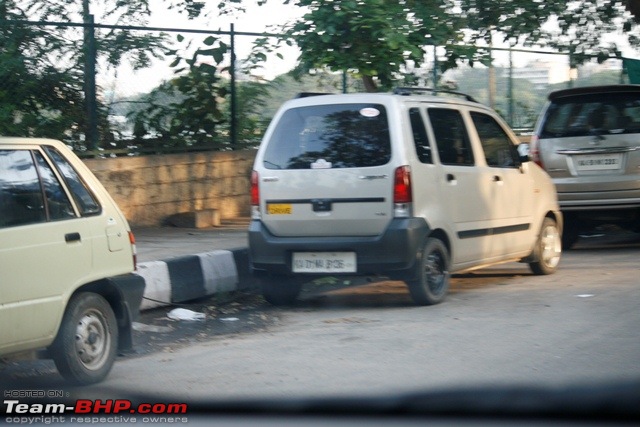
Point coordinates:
[(232, 71), (91, 131)]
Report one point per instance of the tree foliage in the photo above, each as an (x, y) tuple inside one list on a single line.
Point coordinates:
[(375, 38), (42, 75)]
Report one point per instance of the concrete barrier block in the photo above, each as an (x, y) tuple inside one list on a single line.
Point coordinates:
[(219, 271), (157, 284)]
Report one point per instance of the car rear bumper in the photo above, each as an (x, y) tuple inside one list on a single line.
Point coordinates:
[(392, 253)]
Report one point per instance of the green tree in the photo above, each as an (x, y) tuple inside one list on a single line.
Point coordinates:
[(42, 73), (374, 39)]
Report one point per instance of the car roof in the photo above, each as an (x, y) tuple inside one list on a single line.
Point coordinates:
[(308, 99), (11, 140), (593, 90)]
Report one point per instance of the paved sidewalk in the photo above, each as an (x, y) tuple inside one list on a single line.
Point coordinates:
[(183, 264), (162, 243)]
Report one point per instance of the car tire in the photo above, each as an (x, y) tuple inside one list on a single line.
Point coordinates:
[(280, 290), (432, 284), (548, 249), (86, 345)]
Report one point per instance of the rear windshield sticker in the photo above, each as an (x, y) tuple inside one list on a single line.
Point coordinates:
[(370, 112)]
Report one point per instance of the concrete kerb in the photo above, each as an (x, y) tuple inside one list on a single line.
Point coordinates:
[(186, 278)]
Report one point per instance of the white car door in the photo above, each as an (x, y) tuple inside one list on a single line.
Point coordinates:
[(44, 249), (512, 189), (464, 191)]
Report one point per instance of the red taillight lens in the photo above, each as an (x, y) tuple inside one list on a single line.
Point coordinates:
[(402, 185), (534, 151), (255, 189), (132, 241)]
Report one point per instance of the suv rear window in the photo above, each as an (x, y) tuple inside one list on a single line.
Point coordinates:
[(607, 113), (330, 136)]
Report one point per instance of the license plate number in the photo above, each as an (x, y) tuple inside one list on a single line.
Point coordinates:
[(324, 262), (279, 208), (598, 162)]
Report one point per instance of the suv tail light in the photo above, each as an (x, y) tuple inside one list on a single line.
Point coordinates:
[(132, 241), (402, 195), (255, 195), (534, 151)]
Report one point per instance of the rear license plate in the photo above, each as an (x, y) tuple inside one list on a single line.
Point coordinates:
[(279, 208), (324, 262), (593, 162)]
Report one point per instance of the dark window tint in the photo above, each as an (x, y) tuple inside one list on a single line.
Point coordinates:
[(613, 113), (58, 204), (498, 148), (451, 137), (85, 200), (21, 199), (420, 138), (330, 136)]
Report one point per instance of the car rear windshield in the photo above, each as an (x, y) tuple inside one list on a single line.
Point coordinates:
[(594, 114), (330, 136)]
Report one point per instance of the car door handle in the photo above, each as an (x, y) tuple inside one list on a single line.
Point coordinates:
[(497, 178), (451, 177), (72, 237)]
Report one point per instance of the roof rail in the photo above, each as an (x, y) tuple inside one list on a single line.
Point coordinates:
[(308, 94), (405, 91)]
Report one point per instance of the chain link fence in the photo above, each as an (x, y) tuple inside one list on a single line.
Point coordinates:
[(196, 93)]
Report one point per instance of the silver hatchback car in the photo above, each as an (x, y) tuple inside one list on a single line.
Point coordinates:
[(588, 140)]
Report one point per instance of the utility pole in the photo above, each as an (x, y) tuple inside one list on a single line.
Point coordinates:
[(232, 70), (91, 130)]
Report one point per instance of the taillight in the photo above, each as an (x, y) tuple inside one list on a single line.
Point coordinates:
[(402, 185), (134, 251), (255, 196), (534, 151), (255, 189)]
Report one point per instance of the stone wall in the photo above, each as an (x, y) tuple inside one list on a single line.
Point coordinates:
[(150, 189)]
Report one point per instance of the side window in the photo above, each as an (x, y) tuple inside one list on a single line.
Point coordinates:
[(21, 200), (58, 203), (420, 139), (499, 151), (452, 139), (85, 200)]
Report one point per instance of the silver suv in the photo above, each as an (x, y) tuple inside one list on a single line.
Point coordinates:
[(406, 185), (66, 261), (588, 140)]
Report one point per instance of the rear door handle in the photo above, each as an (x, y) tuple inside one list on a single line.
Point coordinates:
[(497, 178), (72, 237), (451, 177)]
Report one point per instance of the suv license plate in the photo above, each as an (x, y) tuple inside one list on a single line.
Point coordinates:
[(324, 262), (279, 208), (592, 162)]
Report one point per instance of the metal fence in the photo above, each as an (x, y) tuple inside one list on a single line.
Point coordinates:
[(210, 101)]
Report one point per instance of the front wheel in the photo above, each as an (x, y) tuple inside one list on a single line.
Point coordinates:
[(548, 249), (86, 345), (432, 284)]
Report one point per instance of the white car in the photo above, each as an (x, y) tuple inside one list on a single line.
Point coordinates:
[(66, 260), (406, 185)]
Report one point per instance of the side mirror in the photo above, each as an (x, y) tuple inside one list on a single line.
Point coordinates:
[(523, 152)]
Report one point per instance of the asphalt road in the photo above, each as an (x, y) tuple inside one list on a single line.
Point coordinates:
[(499, 326)]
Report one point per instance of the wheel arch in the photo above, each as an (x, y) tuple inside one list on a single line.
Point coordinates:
[(123, 294), (441, 235)]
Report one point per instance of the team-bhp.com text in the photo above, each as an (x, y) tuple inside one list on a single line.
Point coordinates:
[(93, 411)]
